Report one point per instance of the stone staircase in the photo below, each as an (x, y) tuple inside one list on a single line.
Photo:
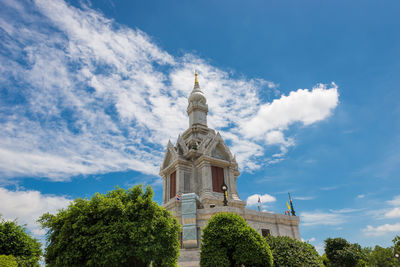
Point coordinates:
[(189, 257)]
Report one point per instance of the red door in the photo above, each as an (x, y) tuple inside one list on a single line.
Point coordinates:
[(172, 185), (217, 178)]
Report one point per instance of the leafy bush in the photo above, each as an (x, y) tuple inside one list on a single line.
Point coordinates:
[(342, 253), (8, 261), (15, 241), (287, 251), (120, 228), (229, 241)]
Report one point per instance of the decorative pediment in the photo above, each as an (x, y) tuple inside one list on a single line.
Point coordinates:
[(182, 148), (170, 156), (220, 153), (218, 149), (206, 142)]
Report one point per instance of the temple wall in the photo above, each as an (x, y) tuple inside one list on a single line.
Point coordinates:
[(277, 224)]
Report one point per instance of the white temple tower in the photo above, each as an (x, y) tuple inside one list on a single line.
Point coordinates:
[(200, 161), (195, 169)]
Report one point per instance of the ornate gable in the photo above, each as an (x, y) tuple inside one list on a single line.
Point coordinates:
[(218, 149), (206, 142), (220, 153), (180, 144), (170, 156)]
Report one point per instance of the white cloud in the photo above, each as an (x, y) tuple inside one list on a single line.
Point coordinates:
[(272, 84), (277, 137), (346, 210), (253, 199), (361, 196), (100, 97), (312, 239), (301, 106), (321, 218), (28, 206), (329, 188), (395, 201), (382, 229), (304, 198), (305, 106), (393, 213)]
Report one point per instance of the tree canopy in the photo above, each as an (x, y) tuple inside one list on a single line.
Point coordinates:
[(120, 228), (339, 252), (382, 257), (15, 241), (287, 251), (342, 253), (396, 243), (229, 241)]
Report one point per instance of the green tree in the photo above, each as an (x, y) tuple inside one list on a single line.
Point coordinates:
[(287, 251), (15, 241), (120, 228), (342, 253), (8, 261), (382, 257), (325, 260), (229, 241), (365, 252), (396, 243)]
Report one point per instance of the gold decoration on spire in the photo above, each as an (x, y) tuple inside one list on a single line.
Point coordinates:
[(196, 82)]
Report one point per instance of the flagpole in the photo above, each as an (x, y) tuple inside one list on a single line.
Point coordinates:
[(291, 205)]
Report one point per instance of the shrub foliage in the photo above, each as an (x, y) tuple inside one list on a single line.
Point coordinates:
[(342, 253), (229, 241), (287, 251)]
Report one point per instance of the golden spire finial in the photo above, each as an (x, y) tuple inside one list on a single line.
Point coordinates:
[(196, 82)]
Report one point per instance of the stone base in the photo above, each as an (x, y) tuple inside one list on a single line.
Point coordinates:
[(189, 258)]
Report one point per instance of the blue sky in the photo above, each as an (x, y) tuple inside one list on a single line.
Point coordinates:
[(304, 92)]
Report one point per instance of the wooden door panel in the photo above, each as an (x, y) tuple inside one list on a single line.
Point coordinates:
[(172, 185)]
